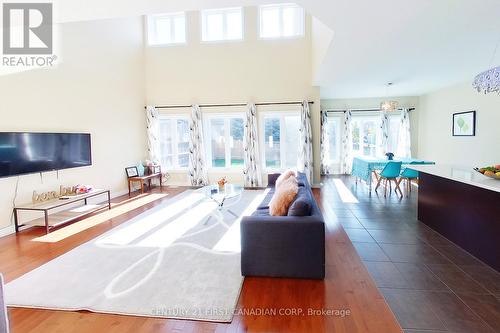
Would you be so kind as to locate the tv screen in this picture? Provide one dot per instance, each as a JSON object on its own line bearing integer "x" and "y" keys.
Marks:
{"x": 23, "y": 153}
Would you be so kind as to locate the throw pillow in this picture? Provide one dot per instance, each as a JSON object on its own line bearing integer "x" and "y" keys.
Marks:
{"x": 284, "y": 176}
{"x": 283, "y": 197}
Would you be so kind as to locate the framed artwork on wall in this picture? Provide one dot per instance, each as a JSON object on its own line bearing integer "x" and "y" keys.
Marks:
{"x": 464, "y": 123}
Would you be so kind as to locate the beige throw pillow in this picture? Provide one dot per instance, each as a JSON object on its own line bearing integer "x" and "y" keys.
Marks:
{"x": 283, "y": 197}
{"x": 284, "y": 176}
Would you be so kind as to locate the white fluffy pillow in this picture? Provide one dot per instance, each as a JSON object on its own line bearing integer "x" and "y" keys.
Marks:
{"x": 283, "y": 197}
{"x": 284, "y": 176}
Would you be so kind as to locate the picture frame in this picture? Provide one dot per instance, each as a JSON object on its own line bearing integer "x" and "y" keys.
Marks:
{"x": 464, "y": 123}
{"x": 132, "y": 172}
{"x": 156, "y": 169}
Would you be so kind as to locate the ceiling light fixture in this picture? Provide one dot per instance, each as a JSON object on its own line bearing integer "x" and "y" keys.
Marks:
{"x": 488, "y": 81}
{"x": 388, "y": 106}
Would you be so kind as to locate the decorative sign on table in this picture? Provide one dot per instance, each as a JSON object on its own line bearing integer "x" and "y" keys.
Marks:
{"x": 464, "y": 123}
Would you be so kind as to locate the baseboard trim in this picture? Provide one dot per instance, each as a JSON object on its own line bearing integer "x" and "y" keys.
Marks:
{"x": 9, "y": 230}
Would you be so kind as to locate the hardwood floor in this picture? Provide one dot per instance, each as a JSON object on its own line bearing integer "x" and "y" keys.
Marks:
{"x": 347, "y": 287}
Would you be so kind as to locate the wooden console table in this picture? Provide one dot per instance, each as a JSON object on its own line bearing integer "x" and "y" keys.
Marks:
{"x": 63, "y": 216}
{"x": 143, "y": 179}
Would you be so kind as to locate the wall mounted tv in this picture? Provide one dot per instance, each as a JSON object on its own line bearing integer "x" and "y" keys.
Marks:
{"x": 23, "y": 153}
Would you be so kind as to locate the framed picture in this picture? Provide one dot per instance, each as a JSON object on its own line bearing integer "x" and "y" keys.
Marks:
{"x": 464, "y": 123}
{"x": 156, "y": 169}
{"x": 132, "y": 172}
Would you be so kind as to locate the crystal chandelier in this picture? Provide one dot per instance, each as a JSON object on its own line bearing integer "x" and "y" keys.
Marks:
{"x": 488, "y": 81}
{"x": 388, "y": 106}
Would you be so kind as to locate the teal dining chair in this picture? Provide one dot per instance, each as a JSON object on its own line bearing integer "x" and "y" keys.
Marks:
{"x": 408, "y": 175}
{"x": 390, "y": 174}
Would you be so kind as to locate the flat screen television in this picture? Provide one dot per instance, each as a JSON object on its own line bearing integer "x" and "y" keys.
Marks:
{"x": 24, "y": 153}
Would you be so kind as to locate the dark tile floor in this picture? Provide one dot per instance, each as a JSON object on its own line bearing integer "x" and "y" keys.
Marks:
{"x": 431, "y": 284}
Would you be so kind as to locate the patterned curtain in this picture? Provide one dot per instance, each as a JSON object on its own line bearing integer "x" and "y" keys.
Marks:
{"x": 197, "y": 169}
{"x": 384, "y": 133}
{"x": 346, "y": 163}
{"x": 252, "y": 172}
{"x": 153, "y": 130}
{"x": 325, "y": 144}
{"x": 404, "y": 140}
{"x": 305, "y": 161}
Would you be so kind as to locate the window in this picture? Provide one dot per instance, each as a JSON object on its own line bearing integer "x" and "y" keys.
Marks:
{"x": 394, "y": 123}
{"x": 281, "y": 20}
{"x": 333, "y": 129}
{"x": 166, "y": 29}
{"x": 222, "y": 24}
{"x": 174, "y": 142}
{"x": 364, "y": 135}
{"x": 281, "y": 140}
{"x": 225, "y": 140}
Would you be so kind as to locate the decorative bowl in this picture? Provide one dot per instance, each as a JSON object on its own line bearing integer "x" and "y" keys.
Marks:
{"x": 489, "y": 175}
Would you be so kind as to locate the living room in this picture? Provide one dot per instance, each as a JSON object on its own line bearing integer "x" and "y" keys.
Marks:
{"x": 140, "y": 155}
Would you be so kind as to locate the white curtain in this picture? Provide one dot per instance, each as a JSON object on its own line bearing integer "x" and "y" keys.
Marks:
{"x": 404, "y": 140}
{"x": 153, "y": 131}
{"x": 384, "y": 133}
{"x": 325, "y": 144}
{"x": 252, "y": 171}
{"x": 346, "y": 165}
{"x": 197, "y": 168}
{"x": 305, "y": 161}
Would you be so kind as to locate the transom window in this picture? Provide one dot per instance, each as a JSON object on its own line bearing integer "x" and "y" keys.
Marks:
{"x": 164, "y": 29}
{"x": 280, "y": 133}
{"x": 224, "y": 143}
{"x": 174, "y": 141}
{"x": 281, "y": 21}
{"x": 222, "y": 24}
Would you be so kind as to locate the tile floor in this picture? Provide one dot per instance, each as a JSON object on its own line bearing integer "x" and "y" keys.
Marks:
{"x": 431, "y": 284}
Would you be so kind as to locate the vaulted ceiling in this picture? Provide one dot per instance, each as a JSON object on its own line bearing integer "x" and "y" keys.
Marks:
{"x": 419, "y": 45}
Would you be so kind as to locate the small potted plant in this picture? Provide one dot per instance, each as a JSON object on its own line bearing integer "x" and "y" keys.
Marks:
{"x": 390, "y": 156}
{"x": 222, "y": 182}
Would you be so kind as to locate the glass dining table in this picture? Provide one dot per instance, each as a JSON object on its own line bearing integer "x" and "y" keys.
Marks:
{"x": 363, "y": 168}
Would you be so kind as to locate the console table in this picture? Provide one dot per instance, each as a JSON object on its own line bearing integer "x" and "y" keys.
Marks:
{"x": 62, "y": 216}
{"x": 143, "y": 179}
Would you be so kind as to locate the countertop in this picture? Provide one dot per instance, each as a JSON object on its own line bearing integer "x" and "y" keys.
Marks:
{"x": 459, "y": 174}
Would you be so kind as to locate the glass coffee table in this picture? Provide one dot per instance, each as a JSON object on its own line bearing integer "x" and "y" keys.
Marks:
{"x": 224, "y": 198}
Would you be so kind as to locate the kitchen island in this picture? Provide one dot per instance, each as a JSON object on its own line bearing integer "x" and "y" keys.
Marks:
{"x": 463, "y": 206}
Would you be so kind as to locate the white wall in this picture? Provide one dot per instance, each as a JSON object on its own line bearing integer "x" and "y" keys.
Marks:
{"x": 251, "y": 70}
{"x": 97, "y": 88}
{"x": 435, "y": 120}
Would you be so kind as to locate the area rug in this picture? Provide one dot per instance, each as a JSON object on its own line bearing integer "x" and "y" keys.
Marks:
{"x": 178, "y": 260}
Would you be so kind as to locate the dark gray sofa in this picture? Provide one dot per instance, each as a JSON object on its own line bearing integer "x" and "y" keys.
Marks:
{"x": 285, "y": 246}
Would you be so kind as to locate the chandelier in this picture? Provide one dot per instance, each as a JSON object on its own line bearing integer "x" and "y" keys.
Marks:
{"x": 488, "y": 81}
{"x": 388, "y": 106}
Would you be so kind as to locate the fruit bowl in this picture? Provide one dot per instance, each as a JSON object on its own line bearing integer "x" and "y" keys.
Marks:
{"x": 491, "y": 171}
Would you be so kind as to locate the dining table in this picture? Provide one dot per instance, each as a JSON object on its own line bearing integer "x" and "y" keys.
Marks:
{"x": 363, "y": 168}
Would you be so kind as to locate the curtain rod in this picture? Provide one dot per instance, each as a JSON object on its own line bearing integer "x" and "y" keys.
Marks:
{"x": 363, "y": 110}
{"x": 224, "y": 105}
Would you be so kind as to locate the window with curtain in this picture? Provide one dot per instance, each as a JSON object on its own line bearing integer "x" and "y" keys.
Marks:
{"x": 334, "y": 141}
{"x": 280, "y": 139}
{"x": 364, "y": 135}
{"x": 174, "y": 141}
{"x": 222, "y": 24}
{"x": 164, "y": 29}
{"x": 281, "y": 21}
{"x": 224, "y": 135}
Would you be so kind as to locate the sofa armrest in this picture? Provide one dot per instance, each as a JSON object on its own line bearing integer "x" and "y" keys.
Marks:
{"x": 283, "y": 246}
{"x": 271, "y": 179}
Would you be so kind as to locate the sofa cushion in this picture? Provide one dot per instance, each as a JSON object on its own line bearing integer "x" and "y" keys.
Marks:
{"x": 283, "y": 197}
{"x": 267, "y": 199}
{"x": 302, "y": 204}
{"x": 261, "y": 212}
